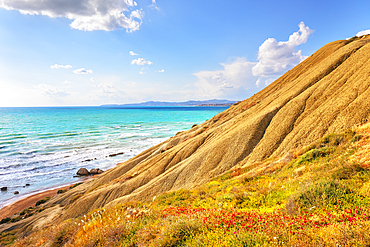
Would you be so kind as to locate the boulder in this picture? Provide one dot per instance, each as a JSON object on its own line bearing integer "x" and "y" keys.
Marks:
{"x": 83, "y": 172}
{"x": 4, "y": 188}
{"x": 96, "y": 171}
{"x": 16, "y": 192}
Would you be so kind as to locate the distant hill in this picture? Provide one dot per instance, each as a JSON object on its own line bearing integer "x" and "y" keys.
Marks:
{"x": 212, "y": 102}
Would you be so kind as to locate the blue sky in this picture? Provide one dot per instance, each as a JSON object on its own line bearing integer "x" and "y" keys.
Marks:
{"x": 77, "y": 52}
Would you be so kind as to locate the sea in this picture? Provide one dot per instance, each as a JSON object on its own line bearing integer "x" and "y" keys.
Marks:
{"x": 43, "y": 147}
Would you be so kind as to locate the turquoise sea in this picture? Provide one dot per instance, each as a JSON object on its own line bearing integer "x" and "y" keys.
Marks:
{"x": 45, "y": 146}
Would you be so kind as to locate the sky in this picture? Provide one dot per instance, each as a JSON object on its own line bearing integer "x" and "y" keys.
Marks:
{"x": 94, "y": 52}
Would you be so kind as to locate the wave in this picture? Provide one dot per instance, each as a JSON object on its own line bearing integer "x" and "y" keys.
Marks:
{"x": 50, "y": 135}
{"x": 13, "y": 135}
{"x": 7, "y": 142}
{"x": 131, "y": 135}
{"x": 38, "y": 174}
{"x": 10, "y": 166}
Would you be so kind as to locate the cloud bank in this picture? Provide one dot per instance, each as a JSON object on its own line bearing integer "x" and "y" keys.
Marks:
{"x": 87, "y": 15}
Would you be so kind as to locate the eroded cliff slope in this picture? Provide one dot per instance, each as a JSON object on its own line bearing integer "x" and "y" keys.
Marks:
{"x": 328, "y": 92}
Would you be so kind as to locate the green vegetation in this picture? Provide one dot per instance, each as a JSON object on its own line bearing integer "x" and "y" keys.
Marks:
{"x": 320, "y": 196}
{"x": 26, "y": 211}
{"x": 75, "y": 185}
{"x": 42, "y": 201}
{"x": 5, "y": 220}
{"x": 7, "y": 238}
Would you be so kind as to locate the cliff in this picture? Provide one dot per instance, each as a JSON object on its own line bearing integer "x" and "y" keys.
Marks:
{"x": 328, "y": 92}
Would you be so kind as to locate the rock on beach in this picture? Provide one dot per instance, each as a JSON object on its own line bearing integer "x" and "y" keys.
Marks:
{"x": 83, "y": 172}
{"x": 96, "y": 171}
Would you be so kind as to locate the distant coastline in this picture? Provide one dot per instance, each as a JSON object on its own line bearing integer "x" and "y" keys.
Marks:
{"x": 230, "y": 104}
{"x": 213, "y": 102}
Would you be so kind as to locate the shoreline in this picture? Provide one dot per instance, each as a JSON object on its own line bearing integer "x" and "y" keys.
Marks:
{"x": 30, "y": 200}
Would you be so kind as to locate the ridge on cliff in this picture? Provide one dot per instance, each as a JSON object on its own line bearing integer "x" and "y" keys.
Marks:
{"x": 328, "y": 92}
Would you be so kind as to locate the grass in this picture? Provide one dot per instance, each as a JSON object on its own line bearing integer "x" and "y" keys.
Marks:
{"x": 318, "y": 198}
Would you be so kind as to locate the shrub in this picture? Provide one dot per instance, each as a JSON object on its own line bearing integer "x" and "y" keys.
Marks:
{"x": 5, "y": 220}
{"x": 75, "y": 185}
{"x": 356, "y": 138}
{"x": 327, "y": 194}
{"x": 347, "y": 171}
{"x": 315, "y": 153}
{"x": 178, "y": 231}
{"x": 27, "y": 212}
{"x": 18, "y": 218}
{"x": 42, "y": 201}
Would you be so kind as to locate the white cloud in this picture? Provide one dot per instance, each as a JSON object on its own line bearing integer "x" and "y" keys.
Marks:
{"x": 87, "y": 15}
{"x": 364, "y": 32}
{"x": 51, "y": 91}
{"x": 133, "y": 53}
{"x": 66, "y": 82}
{"x": 240, "y": 78}
{"x": 141, "y": 61}
{"x": 232, "y": 79}
{"x": 154, "y": 5}
{"x": 160, "y": 71}
{"x": 92, "y": 79}
{"x": 83, "y": 71}
{"x": 57, "y": 66}
{"x": 277, "y": 57}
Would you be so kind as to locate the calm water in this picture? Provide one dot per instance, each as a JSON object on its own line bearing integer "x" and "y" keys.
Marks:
{"x": 44, "y": 147}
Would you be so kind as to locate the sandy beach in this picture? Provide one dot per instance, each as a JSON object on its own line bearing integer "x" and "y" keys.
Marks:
{"x": 30, "y": 201}
{"x": 27, "y": 202}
